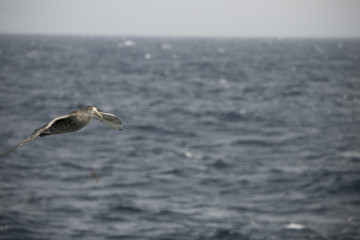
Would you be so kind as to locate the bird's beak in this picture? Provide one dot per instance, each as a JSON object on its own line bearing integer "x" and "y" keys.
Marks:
{"x": 98, "y": 114}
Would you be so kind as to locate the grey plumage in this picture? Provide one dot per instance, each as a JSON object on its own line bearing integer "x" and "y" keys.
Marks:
{"x": 72, "y": 122}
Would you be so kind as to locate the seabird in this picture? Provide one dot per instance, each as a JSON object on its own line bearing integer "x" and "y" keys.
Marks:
{"x": 94, "y": 174}
{"x": 72, "y": 122}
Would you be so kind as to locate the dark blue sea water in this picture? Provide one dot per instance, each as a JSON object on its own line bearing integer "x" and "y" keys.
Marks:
{"x": 223, "y": 139}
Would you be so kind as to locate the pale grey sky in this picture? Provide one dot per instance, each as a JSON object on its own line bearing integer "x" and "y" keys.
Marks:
{"x": 235, "y": 18}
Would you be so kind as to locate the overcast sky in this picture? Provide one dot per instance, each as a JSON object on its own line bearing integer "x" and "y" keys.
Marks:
{"x": 235, "y": 18}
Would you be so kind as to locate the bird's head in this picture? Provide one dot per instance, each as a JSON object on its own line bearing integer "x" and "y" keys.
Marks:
{"x": 93, "y": 112}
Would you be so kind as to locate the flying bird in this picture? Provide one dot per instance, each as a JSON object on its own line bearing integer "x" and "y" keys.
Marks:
{"x": 72, "y": 122}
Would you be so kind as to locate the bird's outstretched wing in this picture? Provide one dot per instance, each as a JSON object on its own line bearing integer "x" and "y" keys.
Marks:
{"x": 36, "y": 133}
{"x": 111, "y": 120}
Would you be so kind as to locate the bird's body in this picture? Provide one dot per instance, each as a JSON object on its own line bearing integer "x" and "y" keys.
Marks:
{"x": 72, "y": 122}
{"x": 75, "y": 121}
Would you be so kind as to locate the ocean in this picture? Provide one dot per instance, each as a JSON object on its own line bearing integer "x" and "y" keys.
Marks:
{"x": 223, "y": 138}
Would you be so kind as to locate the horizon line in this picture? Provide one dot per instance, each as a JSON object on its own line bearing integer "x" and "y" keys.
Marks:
{"x": 123, "y": 35}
